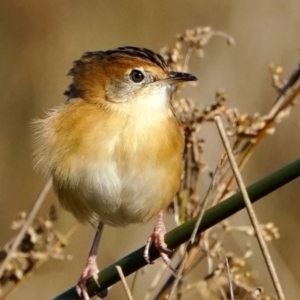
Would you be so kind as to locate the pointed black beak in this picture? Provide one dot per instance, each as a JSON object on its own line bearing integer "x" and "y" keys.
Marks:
{"x": 176, "y": 77}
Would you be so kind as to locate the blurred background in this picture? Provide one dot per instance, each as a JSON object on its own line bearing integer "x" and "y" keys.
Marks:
{"x": 39, "y": 40}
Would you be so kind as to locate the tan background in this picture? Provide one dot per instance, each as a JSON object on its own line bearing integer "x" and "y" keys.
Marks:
{"x": 40, "y": 39}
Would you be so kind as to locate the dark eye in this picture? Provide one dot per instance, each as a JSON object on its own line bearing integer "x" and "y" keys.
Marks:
{"x": 136, "y": 76}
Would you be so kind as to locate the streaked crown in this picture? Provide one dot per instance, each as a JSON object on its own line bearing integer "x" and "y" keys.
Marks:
{"x": 120, "y": 75}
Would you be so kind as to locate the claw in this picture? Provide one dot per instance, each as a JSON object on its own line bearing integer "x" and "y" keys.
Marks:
{"x": 146, "y": 251}
{"x": 157, "y": 238}
{"x": 90, "y": 270}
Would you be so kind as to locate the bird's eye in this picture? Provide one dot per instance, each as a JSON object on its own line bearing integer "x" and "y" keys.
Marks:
{"x": 136, "y": 76}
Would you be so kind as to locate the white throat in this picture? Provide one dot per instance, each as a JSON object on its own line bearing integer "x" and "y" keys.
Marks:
{"x": 154, "y": 105}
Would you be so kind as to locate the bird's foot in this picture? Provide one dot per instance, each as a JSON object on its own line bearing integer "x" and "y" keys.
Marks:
{"x": 90, "y": 270}
{"x": 157, "y": 238}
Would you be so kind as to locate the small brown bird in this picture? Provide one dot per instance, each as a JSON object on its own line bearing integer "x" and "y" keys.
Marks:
{"x": 114, "y": 149}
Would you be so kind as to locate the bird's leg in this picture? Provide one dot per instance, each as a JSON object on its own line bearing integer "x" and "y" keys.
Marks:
{"x": 158, "y": 239}
{"x": 91, "y": 268}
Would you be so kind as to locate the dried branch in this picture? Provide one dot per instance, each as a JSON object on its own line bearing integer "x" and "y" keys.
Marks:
{"x": 250, "y": 210}
{"x": 39, "y": 201}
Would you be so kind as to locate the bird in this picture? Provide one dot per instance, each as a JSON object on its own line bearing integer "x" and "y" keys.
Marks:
{"x": 114, "y": 148}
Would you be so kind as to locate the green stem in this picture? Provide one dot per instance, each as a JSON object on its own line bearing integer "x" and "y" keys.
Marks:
{"x": 134, "y": 261}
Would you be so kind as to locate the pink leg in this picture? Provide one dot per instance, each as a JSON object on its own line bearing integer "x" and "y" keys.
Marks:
{"x": 91, "y": 268}
{"x": 157, "y": 238}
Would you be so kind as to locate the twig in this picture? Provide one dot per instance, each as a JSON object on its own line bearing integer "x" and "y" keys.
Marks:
{"x": 229, "y": 278}
{"x": 52, "y": 250}
{"x": 250, "y": 209}
{"x": 40, "y": 199}
{"x": 202, "y": 210}
{"x": 125, "y": 285}
{"x": 270, "y": 118}
{"x": 294, "y": 77}
{"x": 220, "y": 289}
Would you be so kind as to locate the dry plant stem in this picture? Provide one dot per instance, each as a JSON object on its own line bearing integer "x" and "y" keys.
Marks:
{"x": 229, "y": 278}
{"x": 125, "y": 285}
{"x": 276, "y": 108}
{"x": 40, "y": 199}
{"x": 221, "y": 290}
{"x": 282, "y": 103}
{"x": 52, "y": 250}
{"x": 202, "y": 210}
{"x": 250, "y": 209}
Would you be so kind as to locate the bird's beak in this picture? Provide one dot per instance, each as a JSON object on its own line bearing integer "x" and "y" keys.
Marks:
{"x": 176, "y": 77}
